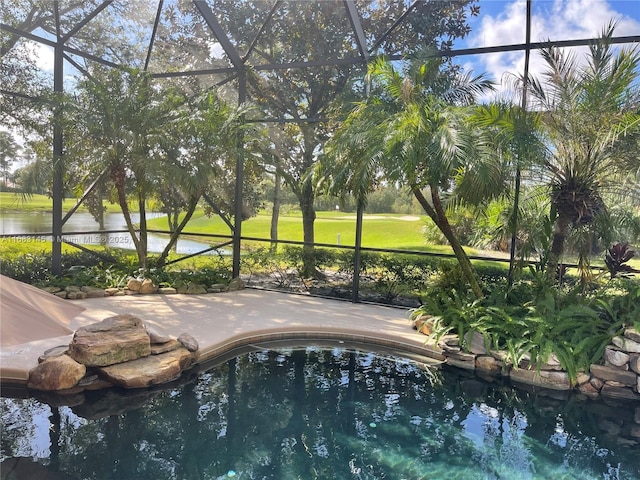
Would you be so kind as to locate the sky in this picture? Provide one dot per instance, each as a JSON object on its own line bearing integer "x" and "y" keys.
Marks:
{"x": 503, "y": 22}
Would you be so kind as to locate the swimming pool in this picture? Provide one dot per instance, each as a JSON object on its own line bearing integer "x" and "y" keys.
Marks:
{"x": 318, "y": 413}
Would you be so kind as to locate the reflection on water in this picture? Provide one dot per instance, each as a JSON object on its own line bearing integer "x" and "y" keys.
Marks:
{"x": 37, "y": 222}
{"x": 321, "y": 414}
{"x": 40, "y": 222}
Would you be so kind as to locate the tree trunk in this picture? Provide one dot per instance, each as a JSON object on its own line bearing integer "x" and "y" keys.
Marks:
{"x": 142, "y": 254}
{"x": 308, "y": 218}
{"x": 557, "y": 247}
{"x": 118, "y": 176}
{"x": 306, "y": 198}
{"x": 100, "y": 193}
{"x": 439, "y": 217}
{"x": 175, "y": 232}
{"x": 172, "y": 223}
{"x": 275, "y": 212}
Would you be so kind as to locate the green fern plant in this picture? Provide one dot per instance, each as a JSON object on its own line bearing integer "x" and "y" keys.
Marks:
{"x": 449, "y": 314}
{"x": 558, "y": 321}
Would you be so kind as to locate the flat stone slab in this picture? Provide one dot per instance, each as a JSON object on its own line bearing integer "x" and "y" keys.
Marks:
{"x": 192, "y": 289}
{"x": 93, "y": 292}
{"x": 626, "y": 344}
{"x": 464, "y": 364}
{"x": 114, "y": 340}
{"x": 545, "y": 378}
{"x": 614, "y": 374}
{"x": 157, "y": 336}
{"x": 632, "y": 334}
{"x": 634, "y": 362}
{"x": 148, "y": 371}
{"x": 167, "y": 290}
{"x": 160, "y": 348}
{"x": 475, "y": 343}
{"x": 189, "y": 342}
{"x": 486, "y": 363}
{"x": 616, "y": 357}
{"x": 53, "y": 352}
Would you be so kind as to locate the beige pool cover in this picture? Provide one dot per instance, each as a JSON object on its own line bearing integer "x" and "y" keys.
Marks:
{"x": 28, "y": 313}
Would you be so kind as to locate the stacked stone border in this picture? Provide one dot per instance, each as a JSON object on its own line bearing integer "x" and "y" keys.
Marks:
{"x": 137, "y": 286}
{"x": 617, "y": 378}
{"x": 119, "y": 351}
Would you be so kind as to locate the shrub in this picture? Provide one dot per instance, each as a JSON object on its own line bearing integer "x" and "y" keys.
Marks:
{"x": 448, "y": 278}
{"x": 111, "y": 269}
{"x": 369, "y": 262}
{"x": 205, "y": 276}
{"x": 400, "y": 274}
{"x": 323, "y": 258}
{"x": 622, "y": 296}
{"x": 268, "y": 262}
{"x": 29, "y": 268}
{"x": 536, "y": 320}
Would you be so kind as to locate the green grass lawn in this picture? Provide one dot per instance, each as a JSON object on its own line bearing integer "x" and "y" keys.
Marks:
{"x": 381, "y": 231}
{"x": 387, "y": 231}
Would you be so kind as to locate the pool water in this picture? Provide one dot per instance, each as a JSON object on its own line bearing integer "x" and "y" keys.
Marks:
{"x": 318, "y": 413}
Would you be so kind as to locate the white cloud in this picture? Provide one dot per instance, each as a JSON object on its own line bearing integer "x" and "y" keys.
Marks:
{"x": 215, "y": 50}
{"x": 43, "y": 56}
{"x": 503, "y": 29}
{"x": 551, "y": 20}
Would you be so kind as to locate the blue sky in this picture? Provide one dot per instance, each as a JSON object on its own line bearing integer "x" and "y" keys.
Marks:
{"x": 502, "y": 22}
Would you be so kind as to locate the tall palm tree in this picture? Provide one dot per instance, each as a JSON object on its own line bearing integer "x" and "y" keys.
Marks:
{"x": 591, "y": 117}
{"x": 120, "y": 115}
{"x": 517, "y": 135}
{"x": 415, "y": 130}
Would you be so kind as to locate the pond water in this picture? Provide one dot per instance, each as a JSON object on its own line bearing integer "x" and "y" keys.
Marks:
{"x": 39, "y": 222}
{"x": 318, "y": 413}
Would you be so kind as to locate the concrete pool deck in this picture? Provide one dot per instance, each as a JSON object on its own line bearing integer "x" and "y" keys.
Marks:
{"x": 222, "y": 322}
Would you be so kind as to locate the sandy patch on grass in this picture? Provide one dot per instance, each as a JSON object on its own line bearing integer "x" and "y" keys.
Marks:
{"x": 406, "y": 218}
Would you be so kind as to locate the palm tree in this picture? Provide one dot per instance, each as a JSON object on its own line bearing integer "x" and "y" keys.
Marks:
{"x": 121, "y": 116}
{"x": 591, "y": 117}
{"x": 156, "y": 143}
{"x": 517, "y": 135}
{"x": 415, "y": 130}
